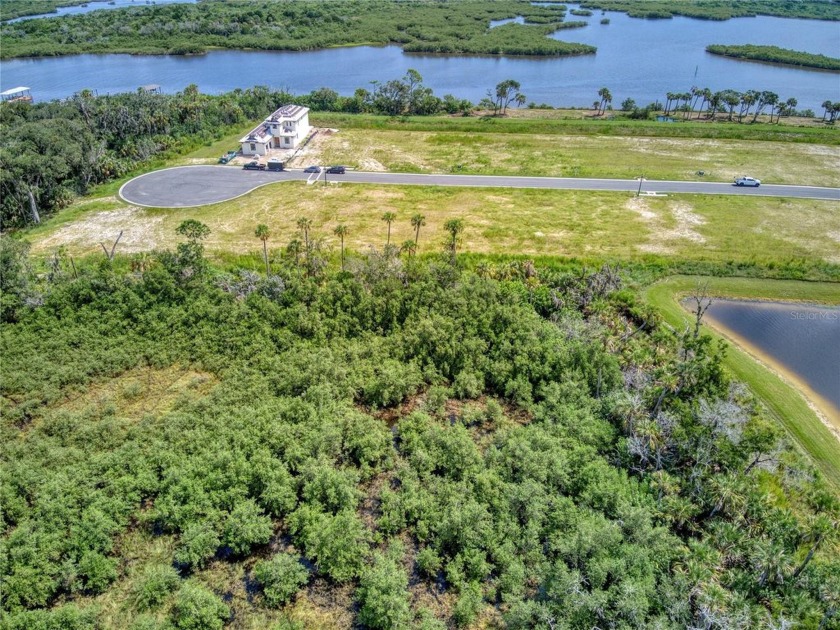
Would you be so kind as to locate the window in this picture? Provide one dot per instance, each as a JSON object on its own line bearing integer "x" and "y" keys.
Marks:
{"x": 288, "y": 140}
{"x": 253, "y": 147}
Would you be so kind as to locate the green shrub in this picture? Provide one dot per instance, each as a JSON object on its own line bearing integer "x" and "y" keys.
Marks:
{"x": 68, "y": 617}
{"x": 383, "y": 595}
{"x": 156, "y": 583}
{"x": 97, "y": 572}
{"x": 338, "y": 544}
{"x": 428, "y": 562}
{"x": 197, "y": 608}
{"x": 247, "y": 526}
{"x": 468, "y": 606}
{"x": 199, "y": 543}
{"x": 281, "y": 577}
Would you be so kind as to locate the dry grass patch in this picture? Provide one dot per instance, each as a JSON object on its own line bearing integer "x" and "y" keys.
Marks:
{"x": 142, "y": 391}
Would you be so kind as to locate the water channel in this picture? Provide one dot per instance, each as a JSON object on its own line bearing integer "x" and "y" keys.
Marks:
{"x": 803, "y": 338}
{"x": 639, "y": 59}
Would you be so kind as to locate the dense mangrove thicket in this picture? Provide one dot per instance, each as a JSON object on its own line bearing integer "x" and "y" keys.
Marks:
{"x": 453, "y": 27}
{"x": 775, "y": 54}
{"x": 720, "y": 9}
{"x": 430, "y": 447}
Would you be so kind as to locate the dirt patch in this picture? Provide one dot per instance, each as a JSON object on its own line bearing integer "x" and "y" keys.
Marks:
{"x": 684, "y": 228}
{"x": 640, "y": 206}
{"x": 686, "y": 222}
{"x": 369, "y": 164}
{"x": 141, "y": 232}
{"x": 312, "y": 153}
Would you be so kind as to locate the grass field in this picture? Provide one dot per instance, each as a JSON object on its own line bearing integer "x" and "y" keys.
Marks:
{"x": 499, "y": 221}
{"x": 578, "y": 156}
{"x": 781, "y": 398}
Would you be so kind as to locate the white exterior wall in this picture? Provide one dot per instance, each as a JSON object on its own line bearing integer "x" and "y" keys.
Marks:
{"x": 259, "y": 148}
{"x": 303, "y": 128}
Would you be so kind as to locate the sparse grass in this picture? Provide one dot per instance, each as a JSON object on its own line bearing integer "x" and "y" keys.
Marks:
{"x": 783, "y": 401}
{"x": 498, "y": 221}
{"x": 539, "y": 154}
{"x": 524, "y": 121}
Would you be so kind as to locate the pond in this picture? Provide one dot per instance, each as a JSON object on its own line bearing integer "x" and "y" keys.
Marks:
{"x": 803, "y": 338}
{"x": 639, "y": 59}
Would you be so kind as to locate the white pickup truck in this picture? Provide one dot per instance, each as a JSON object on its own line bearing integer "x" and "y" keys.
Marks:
{"x": 748, "y": 181}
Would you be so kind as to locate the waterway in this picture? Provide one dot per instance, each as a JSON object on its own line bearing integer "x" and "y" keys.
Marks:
{"x": 79, "y": 9}
{"x": 803, "y": 339}
{"x": 639, "y": 59}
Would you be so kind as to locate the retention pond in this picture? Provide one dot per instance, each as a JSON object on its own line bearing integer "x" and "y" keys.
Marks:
{"x": 802, "y": 340}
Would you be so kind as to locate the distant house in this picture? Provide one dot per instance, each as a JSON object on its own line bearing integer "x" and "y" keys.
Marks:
{"x": 284, "y": 129}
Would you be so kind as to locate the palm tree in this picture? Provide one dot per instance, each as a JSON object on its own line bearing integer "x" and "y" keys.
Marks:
{"x": 409, "y": 246}
{"x": 606, "y": 97}
{"x": 764, "y": 99}
{"x": 731, "y": 98}
{"x": 670, "y": 96}
{"x": 389, "y": 217}
{"x": 706, "y": 93}
{"x": 748, "y": 99}
{"x": 729, "y": 492}
{"x": 454, "y": 227}
{"x": 304, "y": 225}
{"x": 789, "y": 108}
{"x": 770, "y": 559}
{"x": 826, "y": 105}
{"x": 262, "y": 233}
{"x": 820, "y": 527}
{"x": 417, "y": 221}
{"x": 294, "y": 248}
{"x": 341, "y": 231}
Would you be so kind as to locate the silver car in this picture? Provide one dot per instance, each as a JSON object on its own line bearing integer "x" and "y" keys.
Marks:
{"x": 748, "y": 181}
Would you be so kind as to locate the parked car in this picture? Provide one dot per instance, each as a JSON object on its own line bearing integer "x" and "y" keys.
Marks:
{"x": 748, "y": 181}
{"x": 336, "y": 170}
{"x": 312, "y": 169}
{"x": 254, "y": 166}
{"x": 227, "y": 157}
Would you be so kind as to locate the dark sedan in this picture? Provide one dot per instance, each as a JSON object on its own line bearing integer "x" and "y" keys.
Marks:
{"x": 312, "y": 169}
{"x": 336, "y": 170}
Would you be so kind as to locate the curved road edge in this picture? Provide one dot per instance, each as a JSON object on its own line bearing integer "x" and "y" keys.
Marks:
{"x": 201, "y": 185}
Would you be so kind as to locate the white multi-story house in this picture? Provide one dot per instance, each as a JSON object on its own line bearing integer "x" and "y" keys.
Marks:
{"x": 284, "y": 129}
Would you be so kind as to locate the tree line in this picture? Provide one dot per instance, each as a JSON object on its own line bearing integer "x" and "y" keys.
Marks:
{"x": 775, "y": 54}
{"x": 743, "y": 106}
{"x": 521, "y": 442}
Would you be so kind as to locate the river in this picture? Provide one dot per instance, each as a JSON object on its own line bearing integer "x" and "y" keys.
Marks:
{"x": 804, "y": 339}
{"x": 639, "y": 59}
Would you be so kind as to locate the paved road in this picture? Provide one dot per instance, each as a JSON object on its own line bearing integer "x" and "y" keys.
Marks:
{"x": 190, "y": 186}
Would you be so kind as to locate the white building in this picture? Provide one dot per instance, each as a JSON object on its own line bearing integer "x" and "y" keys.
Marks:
{"x": 284, "y": 129}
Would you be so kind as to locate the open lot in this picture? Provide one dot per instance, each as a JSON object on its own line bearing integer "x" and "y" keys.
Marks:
{"x": 502, "y": 221}
{"x": 577, "y": 156}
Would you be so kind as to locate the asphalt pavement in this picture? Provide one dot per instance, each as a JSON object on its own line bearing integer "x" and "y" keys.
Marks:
{"x": 190, "y": 186}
